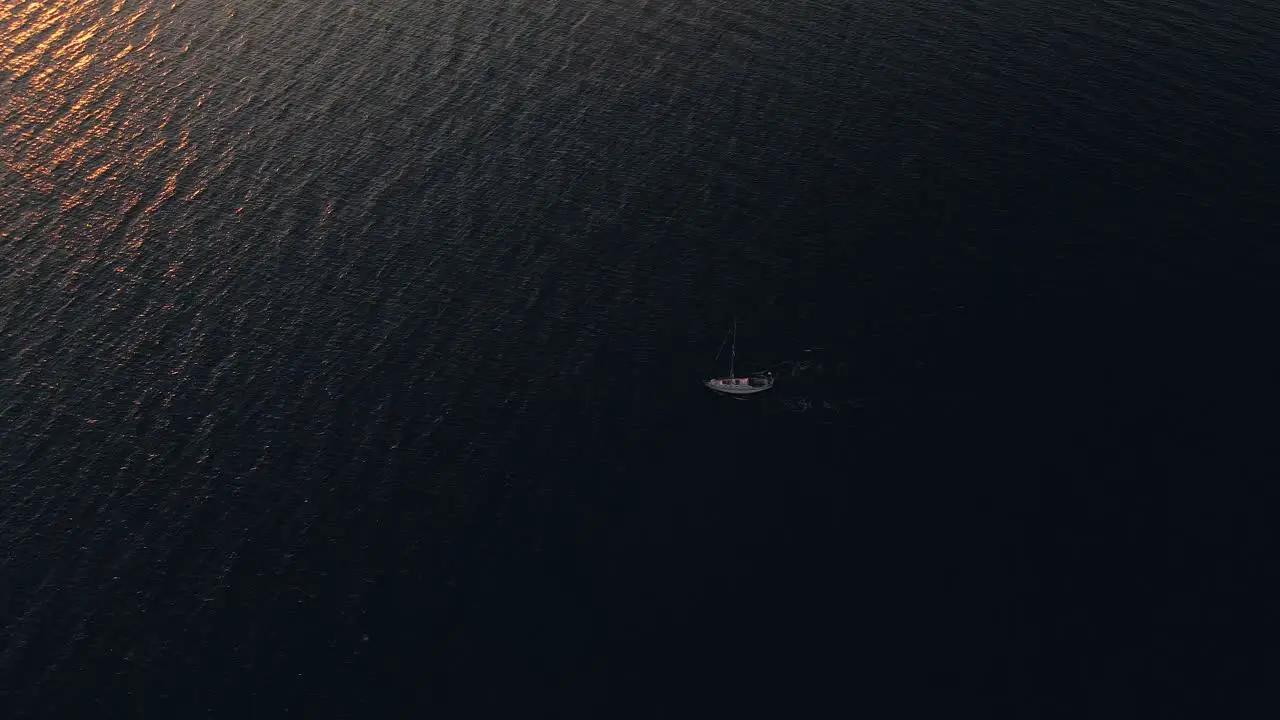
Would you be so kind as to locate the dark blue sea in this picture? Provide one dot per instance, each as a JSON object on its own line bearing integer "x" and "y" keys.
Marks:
{"x": 351, "y": 358}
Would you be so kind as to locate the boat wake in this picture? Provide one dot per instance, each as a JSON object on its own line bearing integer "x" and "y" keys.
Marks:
{"x": 817, "y": 386}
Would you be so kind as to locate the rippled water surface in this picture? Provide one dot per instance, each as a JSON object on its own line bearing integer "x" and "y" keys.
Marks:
{"x": 350, "y": 351}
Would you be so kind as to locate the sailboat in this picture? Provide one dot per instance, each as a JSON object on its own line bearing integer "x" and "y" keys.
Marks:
{"x": 734, "y": 385}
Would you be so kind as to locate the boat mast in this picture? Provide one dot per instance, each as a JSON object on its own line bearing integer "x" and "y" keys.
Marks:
{"x": 733, "y": 352}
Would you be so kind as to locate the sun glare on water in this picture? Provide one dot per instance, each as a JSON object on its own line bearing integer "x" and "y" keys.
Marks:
{"x": 77, "y": 128}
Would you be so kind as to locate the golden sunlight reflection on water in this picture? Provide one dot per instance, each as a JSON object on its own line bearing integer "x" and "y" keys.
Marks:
{"x": 80, "y": 128}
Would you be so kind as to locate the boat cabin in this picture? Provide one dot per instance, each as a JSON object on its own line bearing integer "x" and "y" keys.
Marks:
{"x": 742, "y": 382}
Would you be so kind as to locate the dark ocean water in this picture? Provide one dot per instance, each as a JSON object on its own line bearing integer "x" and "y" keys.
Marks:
{"x": 350, "y": 358}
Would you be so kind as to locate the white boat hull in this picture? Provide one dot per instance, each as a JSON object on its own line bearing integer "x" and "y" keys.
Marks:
{"x": 740, "y": 386}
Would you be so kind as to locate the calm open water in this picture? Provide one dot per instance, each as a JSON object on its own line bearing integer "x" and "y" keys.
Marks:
{"x": 349, "y": 357}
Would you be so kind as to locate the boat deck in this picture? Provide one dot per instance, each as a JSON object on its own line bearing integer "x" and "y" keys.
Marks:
{"x": 740, "y": 385}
